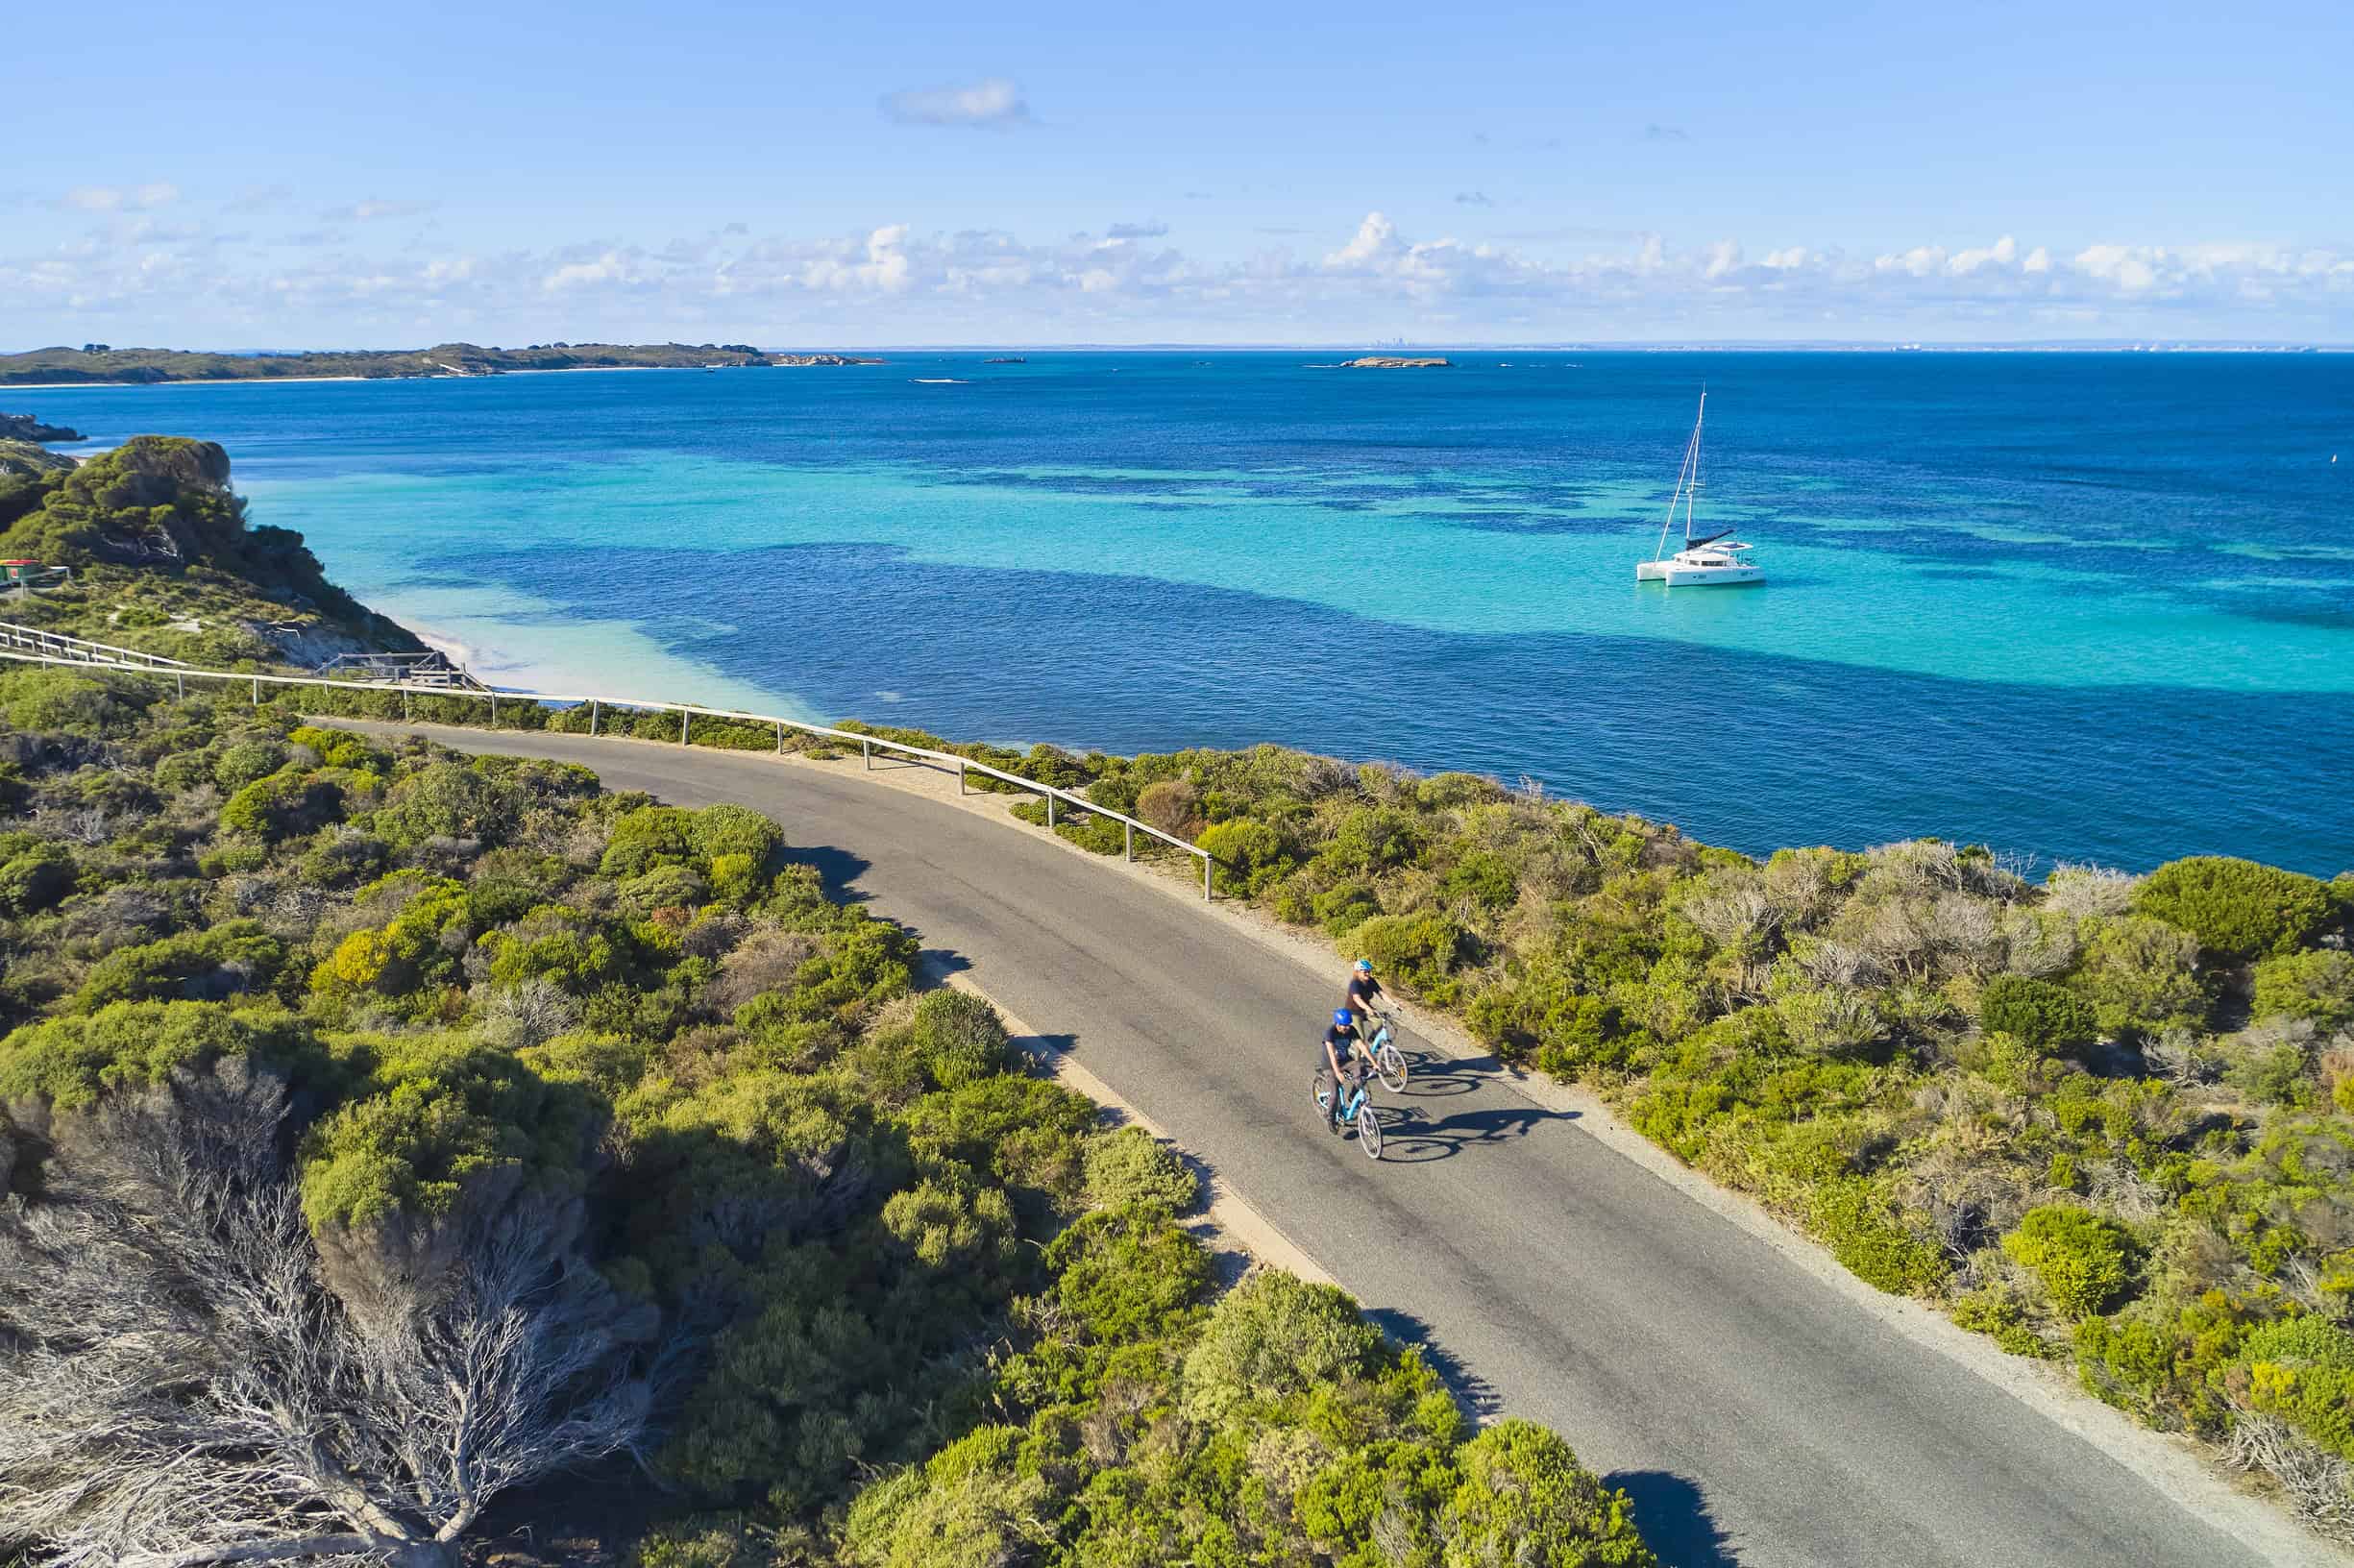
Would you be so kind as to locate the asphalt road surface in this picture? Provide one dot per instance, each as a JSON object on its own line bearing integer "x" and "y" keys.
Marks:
{"x": 1756, "y": 1416}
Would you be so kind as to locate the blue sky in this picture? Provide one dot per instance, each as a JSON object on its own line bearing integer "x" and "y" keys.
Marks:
{"x": 316, "y": 176}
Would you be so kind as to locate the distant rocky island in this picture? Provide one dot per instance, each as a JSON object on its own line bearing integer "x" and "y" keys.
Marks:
{"x": 97, "y": 362}
{"x": 1391, "y": 361}
{"x": 25, "y": 428}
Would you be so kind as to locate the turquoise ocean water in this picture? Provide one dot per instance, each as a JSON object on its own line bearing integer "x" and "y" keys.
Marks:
{"x": 2087, "y": 606}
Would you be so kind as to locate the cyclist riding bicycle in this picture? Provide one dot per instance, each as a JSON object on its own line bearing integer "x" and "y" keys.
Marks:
{"x": 1364, "y": 997}
{"x": 1339, "y": 1043}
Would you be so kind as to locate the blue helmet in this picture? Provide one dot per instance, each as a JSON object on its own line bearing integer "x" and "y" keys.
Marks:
{"x": 1364, "y": 965}
{"x": 1342, "y": 1017}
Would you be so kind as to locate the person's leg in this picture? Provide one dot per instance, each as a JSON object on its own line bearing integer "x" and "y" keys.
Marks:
{"x": 1329, "y": 1088}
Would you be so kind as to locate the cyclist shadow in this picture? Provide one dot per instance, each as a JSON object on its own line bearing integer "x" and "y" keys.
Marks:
{"x": 1412, "y": 1136}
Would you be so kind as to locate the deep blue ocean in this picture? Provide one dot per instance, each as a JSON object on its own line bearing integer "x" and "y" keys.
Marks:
{"x": 2085, "y": 606}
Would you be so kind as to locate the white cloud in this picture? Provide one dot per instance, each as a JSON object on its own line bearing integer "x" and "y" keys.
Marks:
{"x": 2129, "y": 267}
{"x": 607, "y": 268}
{"x": 118, "y": 198}
{"x": 992, "y": 101}
{"x": 1473, "y": 198}
{"x": 373, "y": 209}
{"x": 901, "y": 282}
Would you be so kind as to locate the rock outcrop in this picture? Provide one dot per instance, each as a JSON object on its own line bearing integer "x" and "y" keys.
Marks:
{"x": 25, "y": 428}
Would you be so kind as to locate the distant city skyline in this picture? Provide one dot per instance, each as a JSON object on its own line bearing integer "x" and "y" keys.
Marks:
{"x": 281, "y": 175}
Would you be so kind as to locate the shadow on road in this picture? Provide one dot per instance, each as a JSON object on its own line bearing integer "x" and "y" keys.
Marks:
{"x": 1477, "y": 1399}
{"x": 1432, "y": 1076}
{"x": 1675, "y": 1519}
{"x": 1411, "y": 1136}
{"x": 839, "y": 870}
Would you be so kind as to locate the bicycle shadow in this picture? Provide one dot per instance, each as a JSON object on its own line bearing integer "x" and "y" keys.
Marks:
{"x": 1432, "y": 1076}
{"x": 1411, "y": 1136}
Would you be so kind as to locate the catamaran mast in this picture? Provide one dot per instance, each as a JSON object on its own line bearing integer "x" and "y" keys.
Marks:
{"x": 1687, "y": 481}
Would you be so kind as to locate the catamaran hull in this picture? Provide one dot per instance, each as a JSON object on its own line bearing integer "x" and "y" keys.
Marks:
{"x": 1698, "y": 576}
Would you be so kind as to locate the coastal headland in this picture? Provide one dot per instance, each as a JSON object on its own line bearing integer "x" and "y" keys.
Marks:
{"x": 98, "y": 363}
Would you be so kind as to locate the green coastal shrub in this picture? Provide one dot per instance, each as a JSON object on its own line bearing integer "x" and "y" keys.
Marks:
{"x": 2036, "y": 1012}
{"x": 733, "y": 830}
{"x": 1128, "y": 1273}
{"x": 970, "y": 1505}
{"x": 2235, "y": 908}
{"x": 1249, "y": 855}
{"x": 36, "y": 879}
{"x": 960, "y": 1037}
{"x": 1853, "y": 1217}
{"x": 2142, "y": 976}
{"x": 70, "y": 1060}
{"x": 1341, "y": 910}
{"x": 1419, "y": 953}
{"x": 1273, "y": 1336}
{"x": 1483, "y": 878}
{"x": 1130, "y": 1165}
{"x": 2302, "y": 1369}
{"x": 2083, "y": 1260}
{"x": 446, "y": 1116}
{"x": 247, "y": 762}
{"x": 283, "y": 805}
{"x": 2316, "y": 986}
{"x": 218, "y": 962}
{"x": 1525, "y": 1499}
{"x": 447, "y": 800}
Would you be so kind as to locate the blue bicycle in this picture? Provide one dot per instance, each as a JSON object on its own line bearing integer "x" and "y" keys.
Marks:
{"x": 1385, "y": 1057}
{"x": 1356, "y": 1106}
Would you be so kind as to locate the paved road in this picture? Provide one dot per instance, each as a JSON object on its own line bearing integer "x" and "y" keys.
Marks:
{"x": 1756, "y": 1416}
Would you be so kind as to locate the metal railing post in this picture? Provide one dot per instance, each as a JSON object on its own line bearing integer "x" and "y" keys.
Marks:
{"x": 960, "y": 778}
{"x": 1128, "y": 850}
{"x": 256, "y": 691}
{"x": 405, "y": 704}
{"x": 682, "y": 727}
{"x": 1050, "y": 811}
{"x": 181, "y": 683}
{"x": 1206, "y": 895}
{"x": 780, "y": 737}
{"x": 866, "y": 752}
{"x": 592, "y": 715}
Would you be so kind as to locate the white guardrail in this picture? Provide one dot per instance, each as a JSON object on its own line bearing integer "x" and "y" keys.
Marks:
{"x": 66, "y": 649}
{"x": 868, "y": 745}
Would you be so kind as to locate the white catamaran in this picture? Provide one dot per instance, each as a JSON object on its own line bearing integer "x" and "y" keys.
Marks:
{"x": 1716, "y": 560}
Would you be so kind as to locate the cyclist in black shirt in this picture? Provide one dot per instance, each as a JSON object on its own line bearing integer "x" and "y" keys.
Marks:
{"x": 1333, "y": 1048}
{"x": 1364, "y": 994}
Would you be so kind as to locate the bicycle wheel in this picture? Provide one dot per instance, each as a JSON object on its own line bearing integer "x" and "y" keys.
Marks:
{"x": 1369, "y": 1131}
{"x": 1316, "y": 1091}
{"x": 1391, "y": 1063}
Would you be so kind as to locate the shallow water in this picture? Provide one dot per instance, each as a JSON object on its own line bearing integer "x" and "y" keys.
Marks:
{"x": 2085, "y": 606}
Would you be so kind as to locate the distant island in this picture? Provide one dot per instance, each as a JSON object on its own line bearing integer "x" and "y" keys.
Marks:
{"x": 1389, "y": 361}
{"x": 25, "y": 428}
{"x": 97, "y": 362}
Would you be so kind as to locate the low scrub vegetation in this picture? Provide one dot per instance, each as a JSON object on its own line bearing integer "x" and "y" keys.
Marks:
{"x": 387, "y": 1129}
